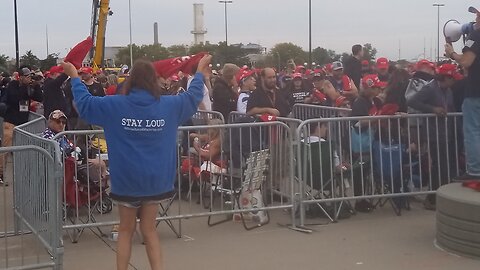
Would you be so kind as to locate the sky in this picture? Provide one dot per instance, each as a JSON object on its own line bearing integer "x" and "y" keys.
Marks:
{"x": 389, "y": 25}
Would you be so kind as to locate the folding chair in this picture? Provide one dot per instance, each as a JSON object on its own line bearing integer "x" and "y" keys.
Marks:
{"x": 320, "y": 178}
{"x": 387, "y": 167}
{"x": 165, "y": 205}
{"x": 247, "y": 196}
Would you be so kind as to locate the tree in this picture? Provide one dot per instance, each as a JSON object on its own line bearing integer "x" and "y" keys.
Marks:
{"x": 154, "y": 52}
{"x": 29, "y": 59}
{"x": 49, "y": 62}
{"x": 204, "y": 47}
{"x": 3, "y": 62}
{"x": 230, "y": 54}
{"x": 177, "y": 50}
{"x": 287, "y": 51}
{"x": 370, "y": 52}
{"x": 322, "y": 56}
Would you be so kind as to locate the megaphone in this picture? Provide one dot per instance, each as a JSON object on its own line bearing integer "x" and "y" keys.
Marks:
{"x": 454, "y": 30}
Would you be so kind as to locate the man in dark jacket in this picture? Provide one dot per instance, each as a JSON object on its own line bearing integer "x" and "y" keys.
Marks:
{"x": 18, "y": 95}
{"x": 53, "y": 95}
{"x": 353, "y": 65}
{"x": 436, "y": 97}
{"x": 225, "y": 91}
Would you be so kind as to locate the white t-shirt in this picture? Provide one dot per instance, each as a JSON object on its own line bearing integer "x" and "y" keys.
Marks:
{"x": 242, "y": 102}
{"x": 206, "y": 101}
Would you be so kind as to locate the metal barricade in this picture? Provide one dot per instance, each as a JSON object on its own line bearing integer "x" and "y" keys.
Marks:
{"x": 30, "y": 214}
{"x": 208, "y": 185}
{"x": 203, "y": 117}
{"x": 308, "y": 111}
{"x": 382, "y": 159}
{"x": 36, "y": 124}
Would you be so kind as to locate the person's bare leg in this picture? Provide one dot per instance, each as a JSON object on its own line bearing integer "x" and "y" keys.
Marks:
{"x": 128, "y": 219}
{"x": 148, "y": 213}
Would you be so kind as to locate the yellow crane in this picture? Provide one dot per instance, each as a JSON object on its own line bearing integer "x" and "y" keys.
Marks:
{"x": 100, "y": 12}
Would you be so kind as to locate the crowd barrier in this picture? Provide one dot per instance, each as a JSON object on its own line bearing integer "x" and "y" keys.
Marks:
{"x": 263, "y": 166}
{"x": 30, "y": 213}
{"x": 309, "y": 111}
{"x": 346, "y": 159}
{"x": 224, "y": 182}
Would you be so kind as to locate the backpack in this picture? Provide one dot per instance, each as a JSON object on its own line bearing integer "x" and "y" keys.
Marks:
{"x": 414, "y": 86}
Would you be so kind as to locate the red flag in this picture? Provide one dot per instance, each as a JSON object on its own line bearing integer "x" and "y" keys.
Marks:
{"x": 168, "y": 67}
{"x": 190, "y": 62}
{"x": 78, "y": 53}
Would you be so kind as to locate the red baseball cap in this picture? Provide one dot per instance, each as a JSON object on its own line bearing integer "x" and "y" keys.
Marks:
{"x": 88, "y": 70}
{"x": 297, "y": 75}
{"x": 372, "y": 81}
{"x": 329, "y": 67}
{"x": 382, "y": 63}
{"x": 448, "y": 70}
{"x": 56, "y": 69}
{"x": 299, "y": 68}
{"x": 424, "y": 63}
{"x": 242, "y": 74}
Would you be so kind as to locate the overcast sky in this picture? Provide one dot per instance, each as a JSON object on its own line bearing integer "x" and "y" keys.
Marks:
{"x": 337, "y": 24}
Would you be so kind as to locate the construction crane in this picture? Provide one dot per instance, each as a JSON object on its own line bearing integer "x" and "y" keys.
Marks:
{"x": 100, "y": 12}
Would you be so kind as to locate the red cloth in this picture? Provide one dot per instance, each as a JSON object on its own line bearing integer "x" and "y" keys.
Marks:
{"x": 475, "y": 185}
{"x": 111, "y": 90}
{"x": 321, "y": 97}
{"x": 168, "y": 67}
{"x": 388, "y": 109}
{"x": 347, "y": 83}
{"x": 78, "y": 53}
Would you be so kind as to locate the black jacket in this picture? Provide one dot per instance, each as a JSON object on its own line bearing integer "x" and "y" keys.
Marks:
{"x": 224, "y": 99}
{"x": 53, "y": 95}
{"x": 14, "y": 93}
{"x": 353, "y": 69}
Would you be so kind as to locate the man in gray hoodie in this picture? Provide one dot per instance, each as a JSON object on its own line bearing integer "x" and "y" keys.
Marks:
{"x": 436, "y": 97}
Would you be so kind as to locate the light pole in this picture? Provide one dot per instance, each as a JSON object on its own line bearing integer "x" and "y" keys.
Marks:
{"x": 17, "y": 50}
{"x": 438, "y": 6}
{"x": 130, "y": 25}
{"x": 310, "y": 32}
{"x": 226, "y": 19}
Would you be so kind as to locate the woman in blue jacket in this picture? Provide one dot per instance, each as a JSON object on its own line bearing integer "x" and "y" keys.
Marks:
{"x": 140, "y": 129}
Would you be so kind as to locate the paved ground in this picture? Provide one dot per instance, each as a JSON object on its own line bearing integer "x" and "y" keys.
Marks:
{"x": 379, "y": 240}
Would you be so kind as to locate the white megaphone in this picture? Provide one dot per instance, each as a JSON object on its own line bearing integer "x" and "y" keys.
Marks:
{"x": 453, "y": 30}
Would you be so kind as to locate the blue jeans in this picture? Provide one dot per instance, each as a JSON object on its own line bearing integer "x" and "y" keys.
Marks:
{"x": 471, "y": 130}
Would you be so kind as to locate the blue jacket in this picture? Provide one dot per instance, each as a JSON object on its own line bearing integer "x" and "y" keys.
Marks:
{"x": 141, "y": 135}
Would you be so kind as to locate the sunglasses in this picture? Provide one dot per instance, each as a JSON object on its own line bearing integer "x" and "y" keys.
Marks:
{"x": 61, "y": 121}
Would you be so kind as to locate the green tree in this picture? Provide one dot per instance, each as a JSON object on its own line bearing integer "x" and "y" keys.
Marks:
{"x": 370, "y": 52}
{"x": 204, "y": 47}
{"x": 287, "y": 51}
{"x": 322, "y": 56}
{"x": 177, "y": 50}
{"x": 154, "y": 52}
{"x": 49, "y": 62}
{"x": 3, "y": 62}
{"x": 123, "y": 55}
{"x": 230, "y": 54}
{"x": 29, "y": 59}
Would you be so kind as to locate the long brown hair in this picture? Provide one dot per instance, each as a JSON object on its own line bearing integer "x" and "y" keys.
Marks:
{"x": 143, "y": 76}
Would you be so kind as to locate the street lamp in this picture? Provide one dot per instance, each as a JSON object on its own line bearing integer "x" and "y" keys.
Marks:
{"x": 226, "y": 20}
{"x": 130, "y": 24}
{"x": 310, "y": 31}
{"x": 17, "y": 51}
{"x": 438, "y": 6}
